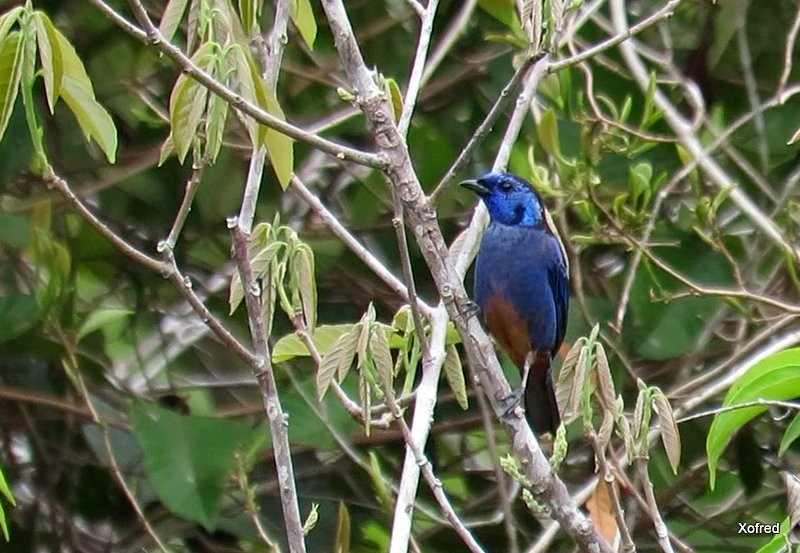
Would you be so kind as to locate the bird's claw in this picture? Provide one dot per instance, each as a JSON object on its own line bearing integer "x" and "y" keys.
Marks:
{"x": 471, "y": 309}
{"x": 512, "y": 401}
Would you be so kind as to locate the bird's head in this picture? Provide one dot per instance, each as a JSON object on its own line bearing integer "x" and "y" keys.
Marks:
{"x": 509, "y": 199}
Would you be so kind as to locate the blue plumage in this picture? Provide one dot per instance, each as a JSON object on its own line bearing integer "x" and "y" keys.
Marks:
{"x": 522, "y": 288}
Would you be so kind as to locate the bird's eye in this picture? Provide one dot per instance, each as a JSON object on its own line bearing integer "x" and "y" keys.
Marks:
{"x": 506, "y": 186}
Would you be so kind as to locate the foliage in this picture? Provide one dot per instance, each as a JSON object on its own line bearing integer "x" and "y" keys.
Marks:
{"x": 136, "y": 398}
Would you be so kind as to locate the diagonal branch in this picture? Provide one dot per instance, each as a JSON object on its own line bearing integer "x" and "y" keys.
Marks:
{"x": 547, "y": 487}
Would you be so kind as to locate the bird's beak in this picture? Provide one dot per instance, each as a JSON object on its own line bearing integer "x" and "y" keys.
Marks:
{"x": 476, "y": 186}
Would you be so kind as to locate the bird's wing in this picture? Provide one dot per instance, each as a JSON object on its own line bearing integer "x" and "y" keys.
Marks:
{"x": 559, "y": 286}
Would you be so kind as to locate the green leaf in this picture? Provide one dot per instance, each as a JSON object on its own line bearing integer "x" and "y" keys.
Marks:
{"x": 18, "y": 314}
{"x": 101, "y": 317}
{"x": 791, "y": 434}
{"x": 77, "y": 92}
{"x": 261, "y": 255}
{"x": 338, "y": 360}
{"x": 303, "y": 276}
{"x": 173, "y": 13}
{"x": 776, "y": 377}
{"x": 342, "y": 540}
{"x": 215, "y": 127}
{"x": 188, "y": 458}
{"x": 8, "y": 19}
{"x": 5, "y": 490}
{"x": 547, "y": 131}
{"x": 10, "y": 75}
{"x": 290, "y": 346}
{"x": 252, "y": 86}
{"x": 670, "y": 436}
{"x": 186, "y": 107}
{"x": 303, "y": 19}
{"x": 50, "y": 56}
{"x": 396, "y": 97}
{"x": 379, "y": 347}
{"x": 455, "y": 376}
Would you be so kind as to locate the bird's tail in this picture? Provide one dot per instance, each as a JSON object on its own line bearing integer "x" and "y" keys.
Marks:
{"x": 541, "y": 408}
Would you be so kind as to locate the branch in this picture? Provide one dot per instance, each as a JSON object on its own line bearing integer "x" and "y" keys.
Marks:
{"x": 399, "y": 170}
{"x": 154, "y": 37}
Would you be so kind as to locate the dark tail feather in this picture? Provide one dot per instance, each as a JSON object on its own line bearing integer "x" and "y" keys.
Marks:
{"x": 541, "y": 408}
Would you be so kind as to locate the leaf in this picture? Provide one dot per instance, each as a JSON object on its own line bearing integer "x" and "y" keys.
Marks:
{"x": 5, "y": 490}
{"x": 547, "y": 131}
{"x": 791, "y": 434}
{"x": 396, "y": 98}
{"x": 173, "y": 13}
{"x": 303, "y": 19}
{"x": 291, "y": 346}
{"x": 312, "y": 519}
{"x": 342, "y": 540}
{"x": 10, "y": 75}
{"x": 793, "y": 500}
{"x": 455, "y": 376}
{"x": 252, "y": 86}
{"x": 338, "y": 359}
{"x": 50, "y": 56}
{"x": 379, "y": 347}
{"x": 670, "y": 436}
{"x": 186, "y": 107}
{"x": 188, "y": 458}
{"x": 78, "y": 94}
{"x": 775, "y": 377}
{"x": 101, "y": 317}
{"x": 261, "y": 255}
{"x": 303, "y": 275}
{"x": 216, "y": 118}
{"x": 601, "y": 512}
{"x": 8, "y": 19}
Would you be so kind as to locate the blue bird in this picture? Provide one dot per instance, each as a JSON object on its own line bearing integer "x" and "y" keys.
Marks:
{"x": 522, "y": 288}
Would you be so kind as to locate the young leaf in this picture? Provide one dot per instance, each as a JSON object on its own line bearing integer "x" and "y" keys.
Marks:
{"x": 10, "y": 74}
{"x": 77, "y": 92}
{"x": 547, "y": 131}
{"x": 379, "y": 347}
{"x": 186, "y": 107}
{"x": 455, "y": 376}
{"x": 50, "y": 56}
{"x": 338, "y": 359}
{"x": 171, "y": 19}
{"x": 279, "y": 146}
{"x": 342, "y": 540}
{"x": 670, "y": 436}
{"x": 303, "y": 274}
{"x": 291, "y": 346}
{"x": 303, "y": 19}
{"x": 215, "y": 126}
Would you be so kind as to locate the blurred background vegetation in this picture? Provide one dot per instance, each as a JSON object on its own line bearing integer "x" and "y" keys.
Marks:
{"x": 689, "y": 290}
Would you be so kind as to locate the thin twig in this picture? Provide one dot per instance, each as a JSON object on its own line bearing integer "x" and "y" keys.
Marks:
{"x": 662, "y": 534}
{"x": 154, "y": 37}
{"x": 186, "y": 206}
{"x": 788, "y": 55}
{"x": 418, "y": 67}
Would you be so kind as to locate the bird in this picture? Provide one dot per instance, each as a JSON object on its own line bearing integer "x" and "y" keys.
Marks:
{"x": 521, "y": 289}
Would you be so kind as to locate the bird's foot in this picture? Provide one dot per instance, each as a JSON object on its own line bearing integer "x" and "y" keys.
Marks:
{"x": 512, "y": 401}
{"x": 471, "y": 309}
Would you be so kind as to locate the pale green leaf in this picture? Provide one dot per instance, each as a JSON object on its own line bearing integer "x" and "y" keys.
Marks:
{"x": 303, "y": 274}
{"x": 167, "y": 150}
{"x": 215, "y": 126}
{"x": 50, "y": 56}
{"x": 8, "y": 19}
{"x": 102, "y": 317}
{"x": 171, "y": 20}
{"x": 291, "y": 346}
{"x": 10, "y": 74}
{"x": 547, "y": 131}
{"x": 338, "y": 359}
{"x": 186, "y": 107}
{"x": 77, "y": 92}
{"x": 382, "y": 357}
{"x": 670, "y": 436}
{"x": 455, "y": 376}
{"x": 341, "y": 542}
{"x": 303, "y": 19}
